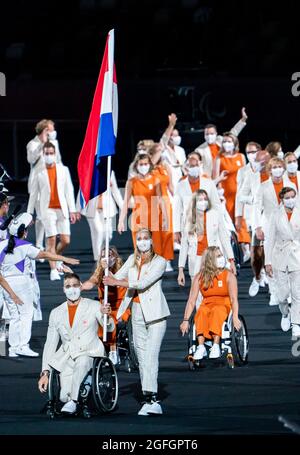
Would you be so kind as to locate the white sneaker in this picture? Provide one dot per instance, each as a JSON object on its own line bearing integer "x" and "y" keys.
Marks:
{"x": 254, "y": 287}
{"x": 286, "y": 322}
{"x": 59, "y": 265}
{"x": 12, "y": 352}
{"x": 246, "y": 256}
{"x": 263, "y": 279}
{"x": 154, "y": 408}
{"x": 70, "y": 407}
{"x": 26, "y": 351}
{"x": 144, "y": 410}
{"x": 176, "y": 246}
{"x": 215, "y": 351}
{"x": 200, "y": 352}
{"x": 273, "y": 300}
{"x": 295, "y": 331}
{"x": 113, "y": 356}
{"x": 54, "y": 275}
{"x": 169, "y": 267}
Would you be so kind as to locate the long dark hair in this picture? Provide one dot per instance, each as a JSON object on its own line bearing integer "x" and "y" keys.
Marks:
{"x": 11, "y": 242}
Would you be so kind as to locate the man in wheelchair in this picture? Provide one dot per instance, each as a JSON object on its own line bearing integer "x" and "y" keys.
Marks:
{"x": 75, "y": 324}
{"x": 218, "y": 287}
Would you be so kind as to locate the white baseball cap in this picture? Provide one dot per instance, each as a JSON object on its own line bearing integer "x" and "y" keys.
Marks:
{"x": 23, "y": 218}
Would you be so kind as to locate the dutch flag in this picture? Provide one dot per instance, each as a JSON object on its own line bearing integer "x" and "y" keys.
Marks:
{"x": 100, "y": 137}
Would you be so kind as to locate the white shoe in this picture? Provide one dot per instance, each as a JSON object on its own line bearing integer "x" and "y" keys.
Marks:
{"x": 246, "y": 256}
{"x": 113, "y": 356}
{"x": 254, "y": 287}
{"x": 273, "y": 300}
{"x": 262, "y": 281}
{"x": 176, "y": 246}
{"x": 286, "y": 322}
{"x": 70, "y": 407}
{"x": 26, "y": 351}
{"x": 154, "y": 408}
{"x": 54, "y": 275}
{"x": 200, "y": 352}
{"x": 12, "y": 352}
{"x": 295, "y": 330}
{"x": 169, "y": 267}
{"x": 215, "y": 351}
{"x": 144, "y": 410}
{"x": 59, "y": 265}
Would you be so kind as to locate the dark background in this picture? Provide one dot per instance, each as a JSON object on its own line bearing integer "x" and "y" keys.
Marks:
{"x": 203, "y": 60}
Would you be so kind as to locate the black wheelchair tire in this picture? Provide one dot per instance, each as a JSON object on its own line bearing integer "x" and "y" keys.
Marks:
{"x": 240, "y": 358}
{"x": 105, "y": 386}
{"x": 133, "y": 360}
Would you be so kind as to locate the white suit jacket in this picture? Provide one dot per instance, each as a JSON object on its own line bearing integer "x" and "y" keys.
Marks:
{"x": 265, "y": 202}
{"x": 249, "y": 184}
{"x": 148, "y": 286}
{"x": 217, "y": 235}
{"x": 115, "y": 200}
{"x": 80, "y": 339}
{"x": 183, "y": 196}
{"x": 205, "y": 152}
{"x": 282, "y": 250}
{"x": 298, "y": 177}
{"x": 41, "y": 189}
{"x": 35, "y": 157}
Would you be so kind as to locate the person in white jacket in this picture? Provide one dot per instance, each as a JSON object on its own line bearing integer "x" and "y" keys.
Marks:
{"x": 282, "y": 258}
{"x": 96, "y": 213}
{"x": 266, "y": 201}
{"x": 291, "y": 163}
{"x": 45, "y": 131}
{"x": 75, "y": 323}
{"x": 142, "y": 275}
{"x": 204, "y": 227}
{"x": 54, "y": 189}
{"x": 209, "y": 150}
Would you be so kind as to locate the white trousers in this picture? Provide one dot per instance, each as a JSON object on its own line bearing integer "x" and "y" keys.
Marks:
{"x": 20, "y": 315}
{"x": 72, "y": 376}
{"x": 147, "y": 339}
{"x": 39, "y": 227}
{"x": 98, "y": 231}
{"x": 288, "y": 283}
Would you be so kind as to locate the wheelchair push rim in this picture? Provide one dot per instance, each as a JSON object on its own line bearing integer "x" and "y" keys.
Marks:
{"x": 105, "y": 385}
{"x": 240, "y": 343}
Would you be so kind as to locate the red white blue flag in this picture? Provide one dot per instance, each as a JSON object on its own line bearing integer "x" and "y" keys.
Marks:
{"x": 101, "y": 132}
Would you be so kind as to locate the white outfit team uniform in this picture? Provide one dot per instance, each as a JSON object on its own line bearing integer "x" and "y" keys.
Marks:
{"x": 148, "y": 316}
{"x": 79, "y": 344}
{"x": 55, "y": 221}
{"x": 96, "y": 217}
{"x": 15, "y": 268}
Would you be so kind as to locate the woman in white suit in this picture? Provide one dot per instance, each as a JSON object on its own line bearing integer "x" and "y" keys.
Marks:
{"x": 96, "y": 213}
{"x": 282, "y": 258}
{"x": 204, "y": 227}
{"x": 142, "y": 276}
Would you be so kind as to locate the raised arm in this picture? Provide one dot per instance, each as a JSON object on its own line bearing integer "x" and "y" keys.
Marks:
{"x": 240, "y": 125}
{"x": 167, "y": 134}
{"x": 191, "y": 303}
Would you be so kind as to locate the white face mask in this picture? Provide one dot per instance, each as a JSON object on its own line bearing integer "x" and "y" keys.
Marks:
{"x": 251, "y": 157}
{"x": 176, "y": 140}
{"x": 257, "y": 166}
{"x": 72, "y": 293}
{"x": 277, "y": 171}
{"x": 289, "y": 203}
{"x": 210, "y": 138}
{"x": 194, "y": 172}
{"x": 221, "y": 262}
{"x": 292, "y": 167}
{"x": 52, "y": 135}
{"x": 143, "y": 169}
{"x": 50, "y": 159}
{"x": 202, "y": 205}
{"x": 228, "y": 146}
{"x": 144, "y": 245}
{"x": 280, "y": 154}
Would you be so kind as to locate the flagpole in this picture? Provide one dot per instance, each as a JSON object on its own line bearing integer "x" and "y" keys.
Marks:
{"x": 108, "y": 197}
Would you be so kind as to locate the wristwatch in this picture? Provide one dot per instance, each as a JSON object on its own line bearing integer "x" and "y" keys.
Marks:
{"x": 45, "y": 373}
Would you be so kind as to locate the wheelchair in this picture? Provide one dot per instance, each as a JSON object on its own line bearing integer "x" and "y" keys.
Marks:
{"x": 234, "y": 345}
{"x": 125, "y": 346}
{"x": 98, "y": 392}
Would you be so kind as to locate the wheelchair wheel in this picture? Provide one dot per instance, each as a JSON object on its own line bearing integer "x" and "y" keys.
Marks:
{"x": 240, "y": 343}
{"x": 54, "y": 391}
{"x": 133, "y": 360}
{"x": 104, "y": 385}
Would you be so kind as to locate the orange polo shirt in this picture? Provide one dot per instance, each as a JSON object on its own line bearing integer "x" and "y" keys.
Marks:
{"x": 289, "y": 214}
{"x": 294, "y": 180}
{"x": 202, "y": 242}
{"x": 54, "y": 199}
{"x": 278, "y": 187}
{"x": 264, "y": 176}
{"x": 195, "y": 186}
{"x": 214, "y": 150}
{"x": 72, "y": 310}
{"x": 136, "y": 298}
